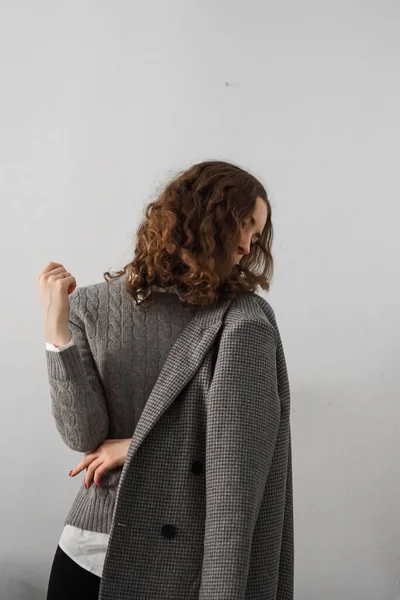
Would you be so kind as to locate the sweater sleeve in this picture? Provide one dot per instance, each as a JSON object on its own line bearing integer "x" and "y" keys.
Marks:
{"x": 79, "y": 405}
{"x": 243, "y": 415}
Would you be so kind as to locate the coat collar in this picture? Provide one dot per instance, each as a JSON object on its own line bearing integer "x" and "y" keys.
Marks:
{"x": 188, "y": 352}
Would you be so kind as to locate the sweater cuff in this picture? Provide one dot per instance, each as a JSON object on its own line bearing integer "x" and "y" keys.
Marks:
{"x": 65, "y": 365}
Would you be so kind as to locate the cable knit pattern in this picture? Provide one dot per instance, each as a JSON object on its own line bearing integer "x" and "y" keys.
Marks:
{"x": 139, "y": 366}
{"x": 112, "y": 366}
{"x": 99, "y": 385}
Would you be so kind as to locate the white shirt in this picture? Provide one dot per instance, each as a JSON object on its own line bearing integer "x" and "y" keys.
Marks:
{"x": 86, "y": 548}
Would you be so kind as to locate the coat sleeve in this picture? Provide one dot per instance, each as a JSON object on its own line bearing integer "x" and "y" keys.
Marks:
{"x": 243, "y": 414}
{"x": 79, "y": 405}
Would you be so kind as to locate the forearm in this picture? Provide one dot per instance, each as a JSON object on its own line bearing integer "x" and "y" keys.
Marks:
{"x": 78, "y": 403}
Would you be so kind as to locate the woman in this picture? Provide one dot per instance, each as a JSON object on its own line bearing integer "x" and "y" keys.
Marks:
{"x": 170, "y": 377}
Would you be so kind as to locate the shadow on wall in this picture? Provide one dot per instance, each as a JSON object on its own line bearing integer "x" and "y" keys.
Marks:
{"x": 21, "y": 586}
{"x": 22, "y": 590}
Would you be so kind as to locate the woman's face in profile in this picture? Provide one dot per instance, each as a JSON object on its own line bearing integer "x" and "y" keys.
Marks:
{"x": 251, "y": 230}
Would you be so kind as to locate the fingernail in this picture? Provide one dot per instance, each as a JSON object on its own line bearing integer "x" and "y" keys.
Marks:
{"x": 97, "y": 485}
{"x": 86, "y": 487}
{"x": 70, "y": 473}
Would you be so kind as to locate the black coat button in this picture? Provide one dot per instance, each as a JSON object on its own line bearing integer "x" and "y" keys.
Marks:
{"x": 168, "y": 531}
{"x": 197, "y": 467}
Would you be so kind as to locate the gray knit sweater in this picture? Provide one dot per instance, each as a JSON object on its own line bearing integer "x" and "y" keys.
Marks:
{"x": 127, "y": 345}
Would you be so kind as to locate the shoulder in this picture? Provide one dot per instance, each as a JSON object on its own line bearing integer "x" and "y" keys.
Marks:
{"x": 250, "y": 314}
{"x": 251, "y": 307}
{"x": 87, "y": 300}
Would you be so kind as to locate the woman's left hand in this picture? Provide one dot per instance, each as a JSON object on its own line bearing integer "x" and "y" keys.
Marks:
{"x": 108, "y": 456}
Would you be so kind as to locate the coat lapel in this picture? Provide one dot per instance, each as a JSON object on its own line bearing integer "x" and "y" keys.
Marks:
{"x": 182, "y": 362}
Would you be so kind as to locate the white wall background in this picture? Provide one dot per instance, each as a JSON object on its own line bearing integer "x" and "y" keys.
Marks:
{"x": 99, "y": 103}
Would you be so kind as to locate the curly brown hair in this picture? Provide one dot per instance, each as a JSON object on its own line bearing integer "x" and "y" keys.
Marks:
{"x": 190, "y": 232}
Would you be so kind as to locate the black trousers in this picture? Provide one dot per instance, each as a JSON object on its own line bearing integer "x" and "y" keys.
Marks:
{"x": 69, "y": 581}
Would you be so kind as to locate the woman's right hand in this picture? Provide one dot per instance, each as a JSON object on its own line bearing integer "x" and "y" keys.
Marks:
{"x": 54, "y": 284}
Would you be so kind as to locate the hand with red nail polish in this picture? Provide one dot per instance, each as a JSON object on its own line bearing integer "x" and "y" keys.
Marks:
{"x": 108, "y": 456}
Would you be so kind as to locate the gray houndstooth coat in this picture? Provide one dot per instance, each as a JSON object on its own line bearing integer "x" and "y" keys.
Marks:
{"x": 204, "y": 505}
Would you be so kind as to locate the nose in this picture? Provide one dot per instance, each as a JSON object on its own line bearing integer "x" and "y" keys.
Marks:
{"x": 244, "y": 248}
